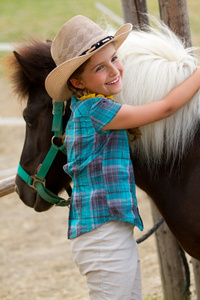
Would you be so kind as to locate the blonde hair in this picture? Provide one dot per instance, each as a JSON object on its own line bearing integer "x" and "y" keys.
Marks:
{"x": 75, "y": 91}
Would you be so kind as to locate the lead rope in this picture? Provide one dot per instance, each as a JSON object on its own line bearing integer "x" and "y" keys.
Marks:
{"x": 182, "y": 253}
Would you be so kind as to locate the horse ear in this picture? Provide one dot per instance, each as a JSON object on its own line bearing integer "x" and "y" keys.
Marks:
{"x": 34, "y": 73}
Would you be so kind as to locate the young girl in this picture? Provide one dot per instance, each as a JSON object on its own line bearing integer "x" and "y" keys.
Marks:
{"x": 103, "y": 209}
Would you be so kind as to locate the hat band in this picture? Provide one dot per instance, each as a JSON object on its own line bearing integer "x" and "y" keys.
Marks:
{"x": 98, "y": 45}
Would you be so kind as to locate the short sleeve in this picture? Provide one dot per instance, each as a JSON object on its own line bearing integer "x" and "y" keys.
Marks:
{"x": 102, "y": 112}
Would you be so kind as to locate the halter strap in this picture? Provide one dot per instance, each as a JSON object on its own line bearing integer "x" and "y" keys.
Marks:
{"x": 37, "y": 181}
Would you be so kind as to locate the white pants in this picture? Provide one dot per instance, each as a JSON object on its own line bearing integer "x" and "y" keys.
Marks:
{"x": 108, "y": 256}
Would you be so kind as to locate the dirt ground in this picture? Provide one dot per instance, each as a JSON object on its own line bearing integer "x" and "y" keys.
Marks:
{"x": 36, "y": 262}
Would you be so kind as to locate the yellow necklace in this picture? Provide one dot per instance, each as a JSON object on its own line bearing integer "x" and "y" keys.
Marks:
{"x": 94, "y": 96}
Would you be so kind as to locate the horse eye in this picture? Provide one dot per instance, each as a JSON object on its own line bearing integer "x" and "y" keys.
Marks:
{"x": 29, "y": 121}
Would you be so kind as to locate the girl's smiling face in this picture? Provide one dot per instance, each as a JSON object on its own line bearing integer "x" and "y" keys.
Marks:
{"x": 102, "y": 74}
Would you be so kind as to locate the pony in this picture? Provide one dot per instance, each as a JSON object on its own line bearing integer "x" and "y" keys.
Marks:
{"x": 166, "y": 159}
{"x": 27, "y": 70}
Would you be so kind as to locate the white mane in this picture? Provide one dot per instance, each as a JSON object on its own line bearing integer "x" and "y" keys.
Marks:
{"x": 154, "y": 63}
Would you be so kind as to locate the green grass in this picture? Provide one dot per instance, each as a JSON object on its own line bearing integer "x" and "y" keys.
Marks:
{"x": 42, "y": 18}
{"x": 154, "y": 298}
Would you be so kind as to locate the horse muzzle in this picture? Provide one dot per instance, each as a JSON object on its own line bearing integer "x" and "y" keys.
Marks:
{"x": 30, "y": 197}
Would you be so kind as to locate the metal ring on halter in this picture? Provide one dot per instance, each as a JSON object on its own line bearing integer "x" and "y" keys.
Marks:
{"x": 59, "y": 139}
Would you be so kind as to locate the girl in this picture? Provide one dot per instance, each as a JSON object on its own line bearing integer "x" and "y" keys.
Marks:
{"x": 103, "y": 209}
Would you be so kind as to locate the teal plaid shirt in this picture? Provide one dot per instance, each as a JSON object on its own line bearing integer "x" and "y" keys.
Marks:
{"x": 100, "y": 167}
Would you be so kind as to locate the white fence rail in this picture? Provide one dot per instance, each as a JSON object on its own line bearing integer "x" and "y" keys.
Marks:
{"x": 11, "y": 121}
{"x": 6, "y": 47}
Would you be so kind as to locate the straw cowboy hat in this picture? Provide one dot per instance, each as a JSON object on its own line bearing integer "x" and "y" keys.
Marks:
{"x": 77, "y": 41}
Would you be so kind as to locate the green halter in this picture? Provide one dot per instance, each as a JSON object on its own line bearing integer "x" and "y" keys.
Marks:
{"x": 37, "y": 181}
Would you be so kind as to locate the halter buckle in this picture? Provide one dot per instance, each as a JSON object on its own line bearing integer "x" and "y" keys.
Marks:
{"x": 35, "y": 179}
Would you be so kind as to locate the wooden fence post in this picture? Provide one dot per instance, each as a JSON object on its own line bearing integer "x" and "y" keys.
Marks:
{"x": 174, "y": 13}
{"x": 134, "y": 11}
{"x": 170, "y": 262}
{"x": 196, "y": 268}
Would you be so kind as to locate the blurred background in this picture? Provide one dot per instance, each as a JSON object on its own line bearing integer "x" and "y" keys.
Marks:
{"x": 36, "y": 262}
{"x": 43, "y": 18}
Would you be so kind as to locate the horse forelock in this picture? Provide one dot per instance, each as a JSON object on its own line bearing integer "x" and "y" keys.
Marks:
{"x": 34, "y": 53}
{"x": 155, "y": 62}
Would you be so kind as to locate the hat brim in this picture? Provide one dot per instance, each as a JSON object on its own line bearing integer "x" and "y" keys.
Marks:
{"x": 56, "y": 81}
